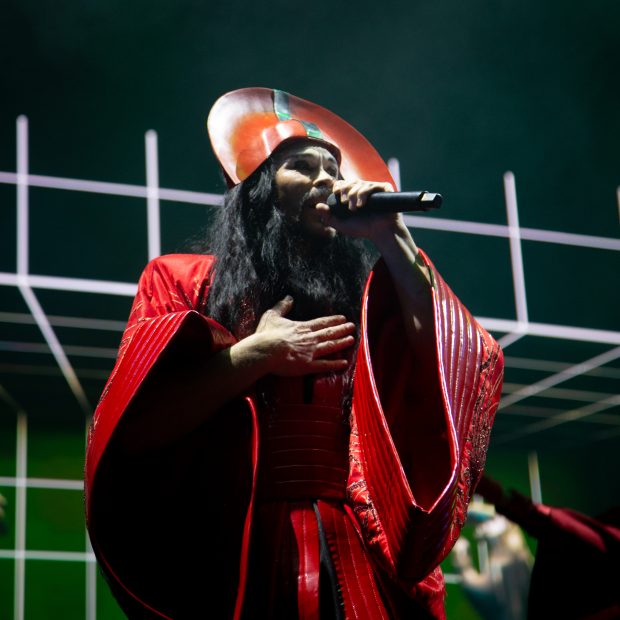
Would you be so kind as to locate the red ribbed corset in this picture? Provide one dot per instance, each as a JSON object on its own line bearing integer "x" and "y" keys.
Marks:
{"x": 303, "y": 453}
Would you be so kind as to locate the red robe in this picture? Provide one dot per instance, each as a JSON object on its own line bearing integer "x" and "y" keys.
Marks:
{"x": 420, "y": 425}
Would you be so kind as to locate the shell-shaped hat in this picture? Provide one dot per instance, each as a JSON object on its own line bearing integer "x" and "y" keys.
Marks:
{"x": 247, "y": 125}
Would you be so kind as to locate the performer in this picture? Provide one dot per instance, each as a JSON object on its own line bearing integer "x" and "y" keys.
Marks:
{"x": 285, "y": 434}
{"x": 498, "y": 588}
{"x": 577, "y": 569}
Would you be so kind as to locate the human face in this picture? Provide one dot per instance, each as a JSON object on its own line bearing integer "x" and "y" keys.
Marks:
{"x": 305, "y": 175}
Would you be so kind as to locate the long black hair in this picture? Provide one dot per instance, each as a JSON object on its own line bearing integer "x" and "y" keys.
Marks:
{"x": 262, "y": 255}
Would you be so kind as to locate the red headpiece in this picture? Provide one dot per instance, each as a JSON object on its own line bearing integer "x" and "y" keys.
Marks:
{"x": 247, "y": 125}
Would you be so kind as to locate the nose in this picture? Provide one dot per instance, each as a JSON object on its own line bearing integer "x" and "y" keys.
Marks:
{"x": 323, "y": 178}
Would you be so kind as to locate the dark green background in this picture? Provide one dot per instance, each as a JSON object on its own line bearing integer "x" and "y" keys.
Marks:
{"x": 460, "y": 92}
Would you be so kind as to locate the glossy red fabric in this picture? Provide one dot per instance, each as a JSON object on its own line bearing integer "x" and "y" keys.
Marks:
{"x": 429, "y": 441}
{"x": 416, "y": 451}
{"x": 361, "y": 596}
{"x": 307, "y": 536}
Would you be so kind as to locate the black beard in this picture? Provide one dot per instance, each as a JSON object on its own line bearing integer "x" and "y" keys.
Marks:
{"x": 324, "y": 275}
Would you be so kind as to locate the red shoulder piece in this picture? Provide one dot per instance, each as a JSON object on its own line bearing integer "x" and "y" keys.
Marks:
{"x": 420, "y": 427}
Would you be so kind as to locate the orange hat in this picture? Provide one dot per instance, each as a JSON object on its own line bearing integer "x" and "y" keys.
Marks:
{"x": 247, "y": 125}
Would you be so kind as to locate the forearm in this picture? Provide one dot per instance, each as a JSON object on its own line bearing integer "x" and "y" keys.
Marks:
{"x": 181, "y": 393}
{"x": 411, "y": 278}
{"x": 180, "y": 397}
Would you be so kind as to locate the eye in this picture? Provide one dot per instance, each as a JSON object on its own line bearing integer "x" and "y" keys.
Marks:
{"x": 301, "y": 164}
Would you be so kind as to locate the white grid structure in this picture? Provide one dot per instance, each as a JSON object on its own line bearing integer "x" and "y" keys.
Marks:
{"x": 25, "y": 282}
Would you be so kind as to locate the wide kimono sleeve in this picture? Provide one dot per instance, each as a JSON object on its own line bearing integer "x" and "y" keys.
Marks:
{"x": 145, "y": 512}
{"x": 421, "y": 422}
{"x": 167, "y": 310}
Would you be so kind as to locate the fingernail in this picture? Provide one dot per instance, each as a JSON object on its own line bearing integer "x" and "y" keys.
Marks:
{"x": 288, "y": 298}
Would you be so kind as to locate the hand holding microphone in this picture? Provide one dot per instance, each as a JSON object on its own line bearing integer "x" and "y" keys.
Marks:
{"x": 370, "y": 209}
{"x": 386, "y": 202}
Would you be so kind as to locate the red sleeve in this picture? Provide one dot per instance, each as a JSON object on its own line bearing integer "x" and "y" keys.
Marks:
{"x": 420, "y": 427}
{"x": 150, "y": 515}
{"x": 167, "y": 309}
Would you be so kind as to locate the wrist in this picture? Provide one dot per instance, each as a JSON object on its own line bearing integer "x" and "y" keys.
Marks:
{"x": 393, "y": 235}
{"x": 253, "y": 353}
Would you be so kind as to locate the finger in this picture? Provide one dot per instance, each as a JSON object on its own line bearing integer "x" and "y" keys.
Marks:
{"x": 325, "y": 321}
{"x": 346, "y": 189}
{"x": 283, "y": 307}
{"x": 331, "y": 333}
{"x": 342, "y": 187}
{"x": 353, "y": 192}
{"x": 357, "y": 192}
{"x": 368, "y": 189}
{"x": 333, "y": 346}
{"x": 364, "y": 193}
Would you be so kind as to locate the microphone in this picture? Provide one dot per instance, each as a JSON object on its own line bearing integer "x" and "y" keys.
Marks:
{"x": 387, "y": 202}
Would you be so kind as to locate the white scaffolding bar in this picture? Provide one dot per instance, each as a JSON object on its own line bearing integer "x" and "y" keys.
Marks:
{"x": 534, "y": 475}
{"x": 23, "y": 280}
{"x": 22, "y": 195}
{"x": 152, "y": 193}
{"x": 394, "y": 168}
{"x": 560, "y": 377}
{"x": 20, "y": 515}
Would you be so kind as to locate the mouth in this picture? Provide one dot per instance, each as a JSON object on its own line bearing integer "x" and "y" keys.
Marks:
{"x": 315, "y": 197}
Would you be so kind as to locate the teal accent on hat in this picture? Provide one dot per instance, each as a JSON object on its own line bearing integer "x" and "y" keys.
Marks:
{"x": 281, "y": 105}
{"x": 312, "y": 130}
{"x": 282, "y": 109}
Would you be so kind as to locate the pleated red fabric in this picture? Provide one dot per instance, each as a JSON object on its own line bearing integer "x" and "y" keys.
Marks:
{"x": 360, "y": 592}
{"x": 425, "y": 512}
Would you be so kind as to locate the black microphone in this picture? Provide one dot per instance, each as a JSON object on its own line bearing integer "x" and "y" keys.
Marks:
{"x": 387, "y": 202}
